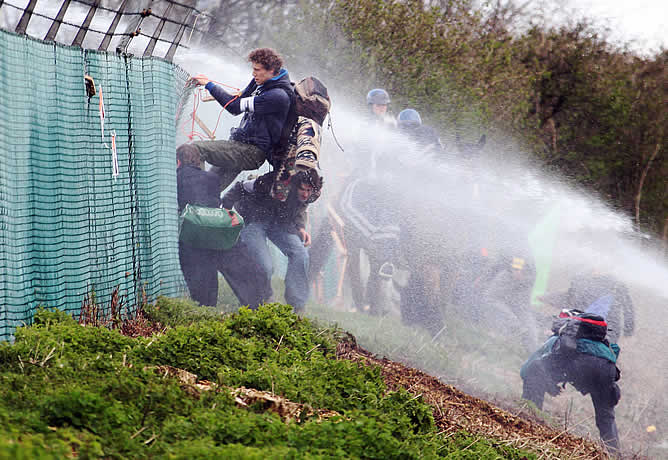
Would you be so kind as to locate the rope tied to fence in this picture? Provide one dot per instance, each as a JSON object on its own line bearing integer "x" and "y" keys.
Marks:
{"x": 197, "y": 98}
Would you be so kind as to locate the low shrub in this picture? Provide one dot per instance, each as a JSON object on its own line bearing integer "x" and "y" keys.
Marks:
{"x": 69, "y": 391}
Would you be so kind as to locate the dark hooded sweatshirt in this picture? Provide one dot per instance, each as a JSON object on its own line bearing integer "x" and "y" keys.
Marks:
{"x": 265, "y": 109}
{"x": 254, "y": 202}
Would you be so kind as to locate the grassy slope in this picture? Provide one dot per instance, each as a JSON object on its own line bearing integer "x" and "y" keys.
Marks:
{"x": 73, "y": 391}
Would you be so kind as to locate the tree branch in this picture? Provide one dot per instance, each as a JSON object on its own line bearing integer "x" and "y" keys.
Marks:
{"x": 642, "y": 182}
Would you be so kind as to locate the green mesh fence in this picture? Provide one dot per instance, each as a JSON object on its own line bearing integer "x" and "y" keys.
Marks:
{"x": 67, "y": 225}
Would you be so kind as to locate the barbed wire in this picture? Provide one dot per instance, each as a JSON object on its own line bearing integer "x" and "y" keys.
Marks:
{"x": 146, "y": 13}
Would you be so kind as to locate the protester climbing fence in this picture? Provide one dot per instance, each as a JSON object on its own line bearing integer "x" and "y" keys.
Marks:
{"x": 87, "y": 183}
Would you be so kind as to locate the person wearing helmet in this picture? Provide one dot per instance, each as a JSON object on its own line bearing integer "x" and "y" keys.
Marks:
{"x": 378, "y": 101}
{"x": 410, "y": 123}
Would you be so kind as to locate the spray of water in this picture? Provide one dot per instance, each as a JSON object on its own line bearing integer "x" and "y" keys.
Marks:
{"x": 458, "y": 208}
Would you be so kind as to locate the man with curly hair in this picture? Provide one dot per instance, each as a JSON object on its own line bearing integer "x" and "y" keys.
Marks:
{"x": 266, "y": 103}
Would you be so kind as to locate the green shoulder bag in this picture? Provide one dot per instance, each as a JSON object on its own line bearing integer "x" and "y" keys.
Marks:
{"x": 209, "y": 228}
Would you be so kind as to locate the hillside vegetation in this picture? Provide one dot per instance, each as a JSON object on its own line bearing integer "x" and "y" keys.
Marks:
{"x": 264, "y": 384}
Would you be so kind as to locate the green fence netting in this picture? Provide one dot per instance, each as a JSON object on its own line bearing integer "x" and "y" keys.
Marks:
{"x": 68, "y": 224}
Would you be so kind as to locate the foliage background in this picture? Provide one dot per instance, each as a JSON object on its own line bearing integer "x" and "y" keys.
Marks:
{"x": 593, "y": 111}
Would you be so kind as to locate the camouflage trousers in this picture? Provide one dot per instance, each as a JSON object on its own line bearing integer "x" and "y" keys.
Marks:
{"x": 303, "y": 154}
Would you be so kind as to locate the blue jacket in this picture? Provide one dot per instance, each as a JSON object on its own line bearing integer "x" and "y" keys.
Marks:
{"x": 265, "y": 109}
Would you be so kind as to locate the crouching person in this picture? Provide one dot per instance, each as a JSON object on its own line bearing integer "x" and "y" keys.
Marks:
{"x": 586, "y": 362}
{"x": 284, "y": 224}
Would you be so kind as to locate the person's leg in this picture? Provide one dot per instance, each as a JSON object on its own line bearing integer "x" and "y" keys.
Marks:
{"x": 604, "y": 400}
{"x": 596, "y": 376}
{"x": 425, "y": 292}
{"x": 374, "y": 286}
{"x": 241, "y": 273}
{"x": 320, "y": 250}
{"x": 539, "y": 380}
{"x": 231, "y": 157}
{"x": 254, "y": 239}
{"x": 199, "y": 270}
{"x": 296, "y": 277}
{"x": 412, "y": 296}
{"x": 354, "y": 275}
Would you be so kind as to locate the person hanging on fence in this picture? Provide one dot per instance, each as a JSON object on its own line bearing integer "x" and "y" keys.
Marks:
{"x": 282, "y": 222}
{"x": 266, "y": 104}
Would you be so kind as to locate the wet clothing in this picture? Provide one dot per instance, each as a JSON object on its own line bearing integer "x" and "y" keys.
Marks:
{"x": 423, "y": 135}
{"x": 253, "y": 200}
{"x": 254, "y": 236}
{"x": 230, "y": 158}
{"x": 198, "y": 265}
{"x": 279, "y": 222}
{"x": 373, "y": 215}
{"x": 421, "y": 299}
{"x": 602, "y": 295}
{"x": 303, "y": 153}
{"x": 586, "y": 371}
{"x": 265, "y": 110}
{"x": 372, "y": 223}
{"x": 196, "y": 187}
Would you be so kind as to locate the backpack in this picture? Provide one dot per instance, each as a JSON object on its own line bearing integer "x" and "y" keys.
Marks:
{"x": 572, "y": 325}
{"x": 301, "y": 135}
{"x": 311, "y": 100}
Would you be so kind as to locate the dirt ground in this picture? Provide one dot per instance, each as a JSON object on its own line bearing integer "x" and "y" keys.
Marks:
{"x": 454, "y": 410}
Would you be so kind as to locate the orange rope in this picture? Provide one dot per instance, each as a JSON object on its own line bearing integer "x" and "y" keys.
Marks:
{"x": 197, "y": 98}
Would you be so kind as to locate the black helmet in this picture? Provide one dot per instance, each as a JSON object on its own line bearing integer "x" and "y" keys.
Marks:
{"x": 378, "y": 96}
{"x": 409, "y": 118}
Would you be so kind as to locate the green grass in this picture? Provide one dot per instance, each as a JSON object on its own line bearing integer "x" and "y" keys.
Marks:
{"x": 85, "y": 392}
{"x": 462, "y": 354}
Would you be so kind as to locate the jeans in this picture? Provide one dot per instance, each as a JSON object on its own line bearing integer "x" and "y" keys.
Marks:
{"x": 254, "y": 236}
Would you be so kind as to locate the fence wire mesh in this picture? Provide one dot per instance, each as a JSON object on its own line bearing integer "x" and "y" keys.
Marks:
{"x": 69, "y": 223}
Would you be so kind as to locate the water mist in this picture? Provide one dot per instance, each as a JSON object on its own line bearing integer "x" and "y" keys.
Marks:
{"x": 492, "y": 201}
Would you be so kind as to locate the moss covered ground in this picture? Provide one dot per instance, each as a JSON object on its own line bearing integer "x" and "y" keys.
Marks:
{"x": 69, "y": 391}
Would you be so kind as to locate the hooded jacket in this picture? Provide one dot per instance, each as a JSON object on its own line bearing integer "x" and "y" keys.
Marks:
{"x": 265, "y": 110}
{"x": 603, "y": 350}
